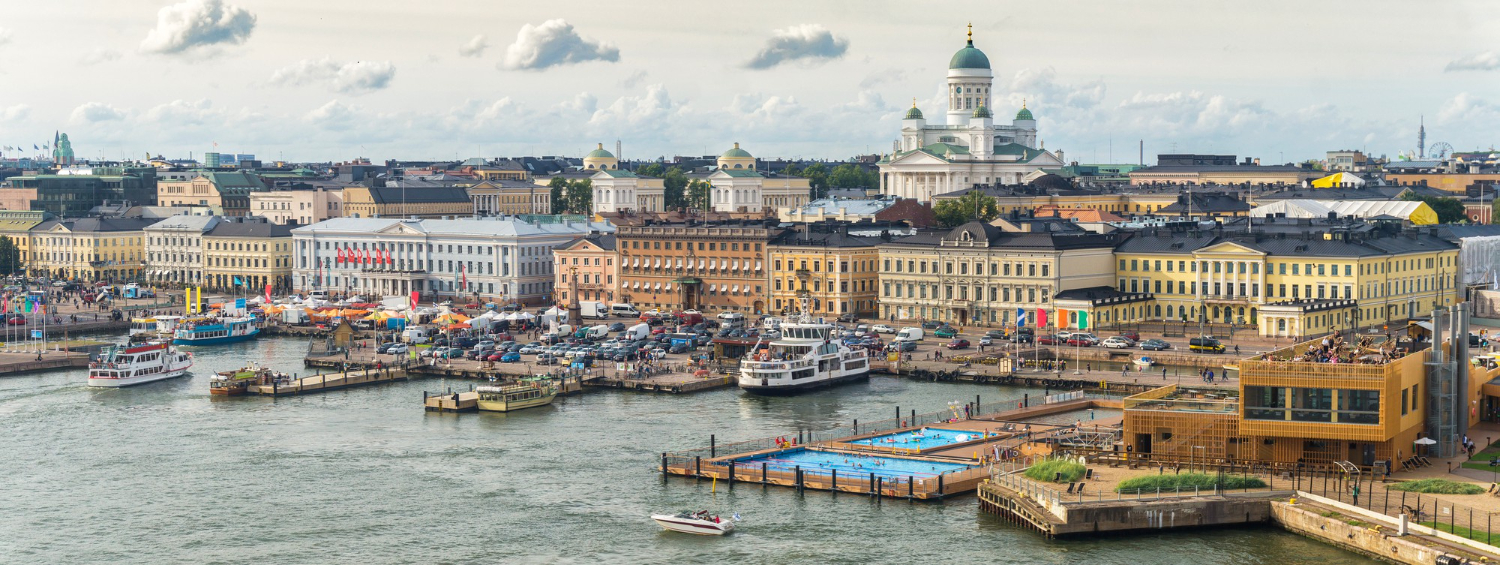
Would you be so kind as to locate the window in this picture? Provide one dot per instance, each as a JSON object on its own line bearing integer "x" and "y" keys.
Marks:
{"x": 1044, "y": 269}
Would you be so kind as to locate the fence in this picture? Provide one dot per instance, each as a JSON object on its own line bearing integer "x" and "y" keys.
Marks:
{"x": 1426, "y": 509}
{"x": 1010, "y": 474}
{"x": 881, "y": 484}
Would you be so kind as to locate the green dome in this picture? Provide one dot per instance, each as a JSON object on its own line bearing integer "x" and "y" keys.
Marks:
{"x": 600, "y": 153}
{"x": 982, "y": 112}
{"x": 969, "y": 58}
{"x": 737, "y": 152}
{"x": 913, "y": 114}
{"x": 1024, "y": 114}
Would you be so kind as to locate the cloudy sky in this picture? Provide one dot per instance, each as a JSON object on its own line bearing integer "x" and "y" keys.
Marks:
{"x": 337, "y": 79}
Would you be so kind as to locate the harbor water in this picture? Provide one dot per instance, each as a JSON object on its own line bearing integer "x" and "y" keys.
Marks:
{"x": 162, "y": 473}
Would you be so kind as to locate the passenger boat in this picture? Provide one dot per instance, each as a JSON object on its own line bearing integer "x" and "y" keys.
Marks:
{"x": 235, "y": 383}
{"x": 142, "y": 325}
{"x": 1143, "y": 361}
{"x": 700, "y": 523}
{"x": 215, "y": 331}
{"x": 507, "y": 398}
{"x": 140, "y": 364}
{"x": 806, "y": 356}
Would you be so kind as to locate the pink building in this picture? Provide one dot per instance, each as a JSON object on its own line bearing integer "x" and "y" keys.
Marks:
{"x": 593, "y": 261}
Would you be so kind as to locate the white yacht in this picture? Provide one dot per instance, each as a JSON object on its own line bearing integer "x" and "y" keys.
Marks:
{"x": 140, "y": 364}
{"x": 806, "y": 356}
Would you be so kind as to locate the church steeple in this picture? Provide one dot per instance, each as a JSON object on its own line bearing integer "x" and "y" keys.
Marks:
{"x": 971, "y": 34}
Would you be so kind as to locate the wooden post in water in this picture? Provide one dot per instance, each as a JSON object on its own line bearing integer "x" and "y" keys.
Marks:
{"x": 763, "y": 479}
{"x": 797, "y": 474}
{"x": 833, "y": 480}
{"x": 731, "y": 474}
{"x": 976, "y": 405}
{"x": 911, "y": 488}
{"x": 872, "y": 485}
{"x": 698, "y": 466}
{"x": 898, "y": 414}
{"x": 940, "y": 485}
{"x": 713, "y": 450}
{"x": 879, "y": 483}
{"x": 663, "y": 459}
{"x": 856, "y": 426}
{"x": 913, "y": 420}
{"x": 1025, "y": 400}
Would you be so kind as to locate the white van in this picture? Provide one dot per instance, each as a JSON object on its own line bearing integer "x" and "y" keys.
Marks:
{"x": 910, "y": 334}
{"x": 624, "y": 310}
{"x": 599, "y": 332}
{"x": 415, "y": 335}
{"x": 638, "y": 331}
{"x": 595, "y": 310}
{"x": 731, "y": 318}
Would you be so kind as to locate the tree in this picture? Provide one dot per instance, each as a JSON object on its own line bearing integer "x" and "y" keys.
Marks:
{"x": 698, "y": 192}
{"x": 849, "y": 175}
{"x": 1449, "y": 210}
{"x": 581, "y": 196}
{"x": 1494, "y": 209}
{"x": 10, "y": 256}
{"x": 674, "y": 184}
{"x": 558, "y": 186}
{"x": 972, "y": 206}
{"x": 817, "y": 180}
{"x": 650, "y": 170}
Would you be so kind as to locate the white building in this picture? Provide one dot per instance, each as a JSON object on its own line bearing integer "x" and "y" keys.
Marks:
{"x": 970, "y": 148}
{"x": 739, "y": 187}
{"x": 489, "y": 258}
{"x": 174, "y": 249}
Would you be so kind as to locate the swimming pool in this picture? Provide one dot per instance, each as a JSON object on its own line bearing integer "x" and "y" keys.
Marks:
{"x": 848, "y": 464}
{"x": 923, "y": 439}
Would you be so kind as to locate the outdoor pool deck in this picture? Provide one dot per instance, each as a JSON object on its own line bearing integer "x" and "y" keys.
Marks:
{"x": 944, "y": 460}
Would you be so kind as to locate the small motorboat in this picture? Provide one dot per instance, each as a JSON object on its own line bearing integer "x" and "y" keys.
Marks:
{"x": 700, "y": 523}
{"x": 1143, "y": 361}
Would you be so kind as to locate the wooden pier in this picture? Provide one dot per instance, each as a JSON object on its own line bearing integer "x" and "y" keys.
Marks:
{"x": 456, "y": 402}
{"x": 675, "y": 383}
{"x": 329, "y": 382}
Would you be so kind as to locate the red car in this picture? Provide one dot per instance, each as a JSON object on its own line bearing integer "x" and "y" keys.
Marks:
{"x": 16, "y": 320}
{"x": 1131, "y": 335}
{"x": 958, "y": 344}
{"x": 1080, "y": 341}
{"x": 493, "y": 357}
{"x": 1049, "y": 339}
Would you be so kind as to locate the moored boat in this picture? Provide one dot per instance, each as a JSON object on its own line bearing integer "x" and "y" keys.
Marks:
{"x": 507, "y": 398}
{"x": 1143, "y": 361}
{"x": 215, "y": 331}
{"x": 235, "y": 383}
{"x": 700, "y": 523}
{"x": 806, "y": 356}
{"x": 118, "y": 367}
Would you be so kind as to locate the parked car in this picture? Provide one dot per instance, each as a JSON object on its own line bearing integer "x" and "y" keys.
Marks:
{"x": 848, "y": 317}
{"x": 511, "y": 357}
{"x": 986, "y": 340}
{"x": 1155, "y": 345}
{"x": 1205, "y": 345}
{"x": 1131, "y": 335}
{"x": 902, "y": 346}
{"x": 617, "y": 327}
{"x": 1117, "y": 342}
{"x": 882, "y": 329}
{"x": 1023, "y": 337}
{"x": 1047, "y": 339}
{"x": 397, "y": 349}
{"x": 995, "y": 334}
{"x": 1081, "y": 339}
{"x": 931, "y": 325}
{"x": 945, "y": 331}
{"x": 958, "y": 344}
{"x": 546, "y": 359}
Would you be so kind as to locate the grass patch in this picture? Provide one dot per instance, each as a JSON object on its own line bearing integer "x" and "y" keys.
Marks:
{"x": 1048, "y": 469}
{"x": 1186, "y": 481}
{"x": 1329, "y": 514}
{"x": 1476, "y": 535}
{"x": 1437, "y": 486}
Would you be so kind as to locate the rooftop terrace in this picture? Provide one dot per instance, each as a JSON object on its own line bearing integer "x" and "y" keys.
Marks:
{"x": 1185, "y": 399}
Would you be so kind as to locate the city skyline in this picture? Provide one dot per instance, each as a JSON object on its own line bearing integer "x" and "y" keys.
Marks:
{"x": 342, "y": 80}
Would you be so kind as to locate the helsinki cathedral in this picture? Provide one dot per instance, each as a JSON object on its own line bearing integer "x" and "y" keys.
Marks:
{"x": 966, "y": 147}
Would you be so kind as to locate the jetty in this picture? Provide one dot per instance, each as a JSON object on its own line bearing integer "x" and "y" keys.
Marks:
{"x": 456, "y": 402}
{"x": 675, "y": 383}
{"x": 328, "y": 382}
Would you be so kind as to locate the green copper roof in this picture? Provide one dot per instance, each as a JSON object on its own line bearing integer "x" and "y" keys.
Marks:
{"x": 1024, "y": 114}
{"x": 741, "y": 173}
{"x": 913, "y": 114}
{"x": 982, "y": 112}
{"x": 600, "y": 153}
{"x": 941, "y": 149}
{"x": 737, "y": 152}
{"x": 969, "y": 58}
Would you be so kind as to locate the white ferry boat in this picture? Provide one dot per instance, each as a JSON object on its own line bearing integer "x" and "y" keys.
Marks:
{"x": 806, "y": 356}
{"x": 140, "y": 364}
{"x": 214, "y": 331}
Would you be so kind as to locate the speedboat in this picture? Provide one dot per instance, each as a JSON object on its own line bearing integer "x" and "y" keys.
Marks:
{"x": 1143, "y": 361}
{"x": 700, "y": 523}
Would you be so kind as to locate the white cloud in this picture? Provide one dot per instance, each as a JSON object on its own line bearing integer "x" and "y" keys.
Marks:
{"x": 5, "y": 36}
{"x": 14, "y": 113}
{"x": 1487, "y": 61}
{"x": 554, "y": 43}
{"x": 99, "y": 55}
{"x": 633, "y": 80}
{"x": 334, "y": 115}
{"x": 1469, "y": 110}
{"x": 807, "y": 42}
{"x": 197, "y": 25}
{"x": 474, "y": 47}
{"x": 97, "y": 112}
{"x": 179, "y": 113}
{"x": 356, "y": 77}
{"x": 878, "y": 78}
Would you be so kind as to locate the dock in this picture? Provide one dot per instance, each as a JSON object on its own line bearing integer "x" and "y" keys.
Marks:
{"x": 674, "y": 383}
{"x": 456, "y": 402}
{"x": 328, "y": 382}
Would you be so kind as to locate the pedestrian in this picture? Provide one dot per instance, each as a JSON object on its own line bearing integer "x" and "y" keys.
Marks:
{"x": 1356, "y": 493}
{"x": 1164, "y": 373}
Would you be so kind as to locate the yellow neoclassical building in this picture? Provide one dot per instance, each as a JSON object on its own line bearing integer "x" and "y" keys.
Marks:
{"x": 88, "y": 249}
{"x": 1288, "y": 278}
{"x": 393, "y": 201}
{"x": 252, "y": 249}
{"x": 837, "y": 272}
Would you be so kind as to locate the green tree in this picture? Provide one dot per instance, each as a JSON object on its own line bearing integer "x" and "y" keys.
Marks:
{"x": 1449, "y": 210}
{"x": 650, "y": 170}
{"x": 972, "y": 206}
{"x": 10, "y": 256}
{"x": 674, "y": 186}
{"x": 559, "y": 186}
{"x": 817, "y": 180}
{"x": 849, "y": 175}
{"x": 581, "y": 196}
{"x": 1494, "y": 209}
{"x": 698, "y": 192}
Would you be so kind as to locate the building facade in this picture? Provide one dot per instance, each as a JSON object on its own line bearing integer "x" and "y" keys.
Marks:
{"x": 297, "y": 204}
{"x": 509, "y": 198}
{"x": 68, "y": 196}
{"x": 246, "y": 254}
{"x": 488, "y": 258}
{"x": 591, "y": 261}
{"x": 88, "y": 249}
{"x": 836, "y": 272}
{"x": 739, "y": 187}
{"x": 712, "y": 267}
{"x": 227, "y": 193}
{"x": 421, "y": 202}
{"x": 174, "y": 249}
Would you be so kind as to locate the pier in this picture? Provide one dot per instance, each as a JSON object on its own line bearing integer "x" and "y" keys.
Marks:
{"x": 328, "y": 382}
{"x": 455, "y": 402}
{"x": 675, "y": 383}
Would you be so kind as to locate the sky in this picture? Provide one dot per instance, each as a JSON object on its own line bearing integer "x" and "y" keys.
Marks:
{"x": 332, "y": 80}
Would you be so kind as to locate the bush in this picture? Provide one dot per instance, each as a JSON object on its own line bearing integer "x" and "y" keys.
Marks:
{"x": 1438, "y": 486}
{"x": 1186, "y": 481}
{"x": 1047, "y": 470}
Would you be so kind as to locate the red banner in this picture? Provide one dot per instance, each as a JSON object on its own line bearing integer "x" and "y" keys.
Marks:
{"x": 1041, "y": 318}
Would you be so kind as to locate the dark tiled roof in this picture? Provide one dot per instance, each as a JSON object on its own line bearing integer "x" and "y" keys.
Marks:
{"x": 603, "y": 241}
{"x": 1283, "y": 244}
{"x": 99, "y": 224}
{"x": 422, "y": 195}
{"x": 824, "y": 239}
{"x": 1212, "y": 203}
{"x": 1101, "y": 295}
{"x": 249, "y": 227}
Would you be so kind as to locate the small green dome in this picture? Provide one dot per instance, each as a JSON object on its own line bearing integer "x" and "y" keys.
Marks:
{"x": 982, "y": 112}
{"x": 913, "y": 114}
{"x": 737, "y": 152}
{"x": 969, "y": 58}
{"x": 600, "y": 153}
{"x": 1024, "y": 114}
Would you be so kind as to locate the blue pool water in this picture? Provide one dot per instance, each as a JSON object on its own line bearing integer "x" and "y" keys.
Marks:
{"x": 848, "y": 464}
{"x": 933, "y": 437}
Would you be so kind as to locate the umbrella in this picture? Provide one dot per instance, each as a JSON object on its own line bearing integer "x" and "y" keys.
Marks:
{"x": 1426, "y": 441}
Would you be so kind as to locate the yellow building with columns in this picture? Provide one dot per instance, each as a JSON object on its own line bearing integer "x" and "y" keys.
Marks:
{"x": 251, "y": 249}
{"x": 836, "y": 271}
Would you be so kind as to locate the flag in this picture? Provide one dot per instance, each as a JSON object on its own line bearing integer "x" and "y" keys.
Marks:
{"x": 388, "y": 259}
{"x": 1041, "y": 318}
{"x": 340, "y": 258}
{"x": 1062, "y": 318}
{"x": 1083, "y": 319}
{"x": 414, "y": 297}
{"x": 237, "y": 282}
{"x": 34, "y": 147}
{"x": 28, "y": 305}
{"x": 268, "y": 293}
{"x": 1020, "y": 317}
{"x": 465, "y": 275}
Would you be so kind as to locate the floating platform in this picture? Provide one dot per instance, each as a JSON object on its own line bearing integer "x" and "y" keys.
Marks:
{"x": 675, "y": 383}
{"x": 456, "y": 402}
{"x": 328, "y": 382}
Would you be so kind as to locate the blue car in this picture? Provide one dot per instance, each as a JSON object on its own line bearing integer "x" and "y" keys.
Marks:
{"x": 511, "y": 357}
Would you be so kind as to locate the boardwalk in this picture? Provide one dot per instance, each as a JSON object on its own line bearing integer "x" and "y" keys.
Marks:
{"x": 328, "y": 382}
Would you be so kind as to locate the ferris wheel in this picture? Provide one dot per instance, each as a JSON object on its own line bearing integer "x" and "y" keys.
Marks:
{"x": 1440, "y": 150}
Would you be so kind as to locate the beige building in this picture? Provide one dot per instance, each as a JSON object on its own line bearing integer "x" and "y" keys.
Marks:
{"x": 591, "y": 261}
{"x": 253, "y": 250}
{"x": 431, "y": 202}
{"x": 300, "y": 204}
{"x": 88, "y": 249}
{"x": 836, "y": 272}
{"x": 510, "y": 198}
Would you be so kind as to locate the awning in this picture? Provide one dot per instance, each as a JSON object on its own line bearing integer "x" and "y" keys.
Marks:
{"x": 687, "y": 280}
{"x": 713, "y": 287}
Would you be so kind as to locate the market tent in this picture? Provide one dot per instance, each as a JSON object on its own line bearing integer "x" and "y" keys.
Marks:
{"x": 1337, "y": 180}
